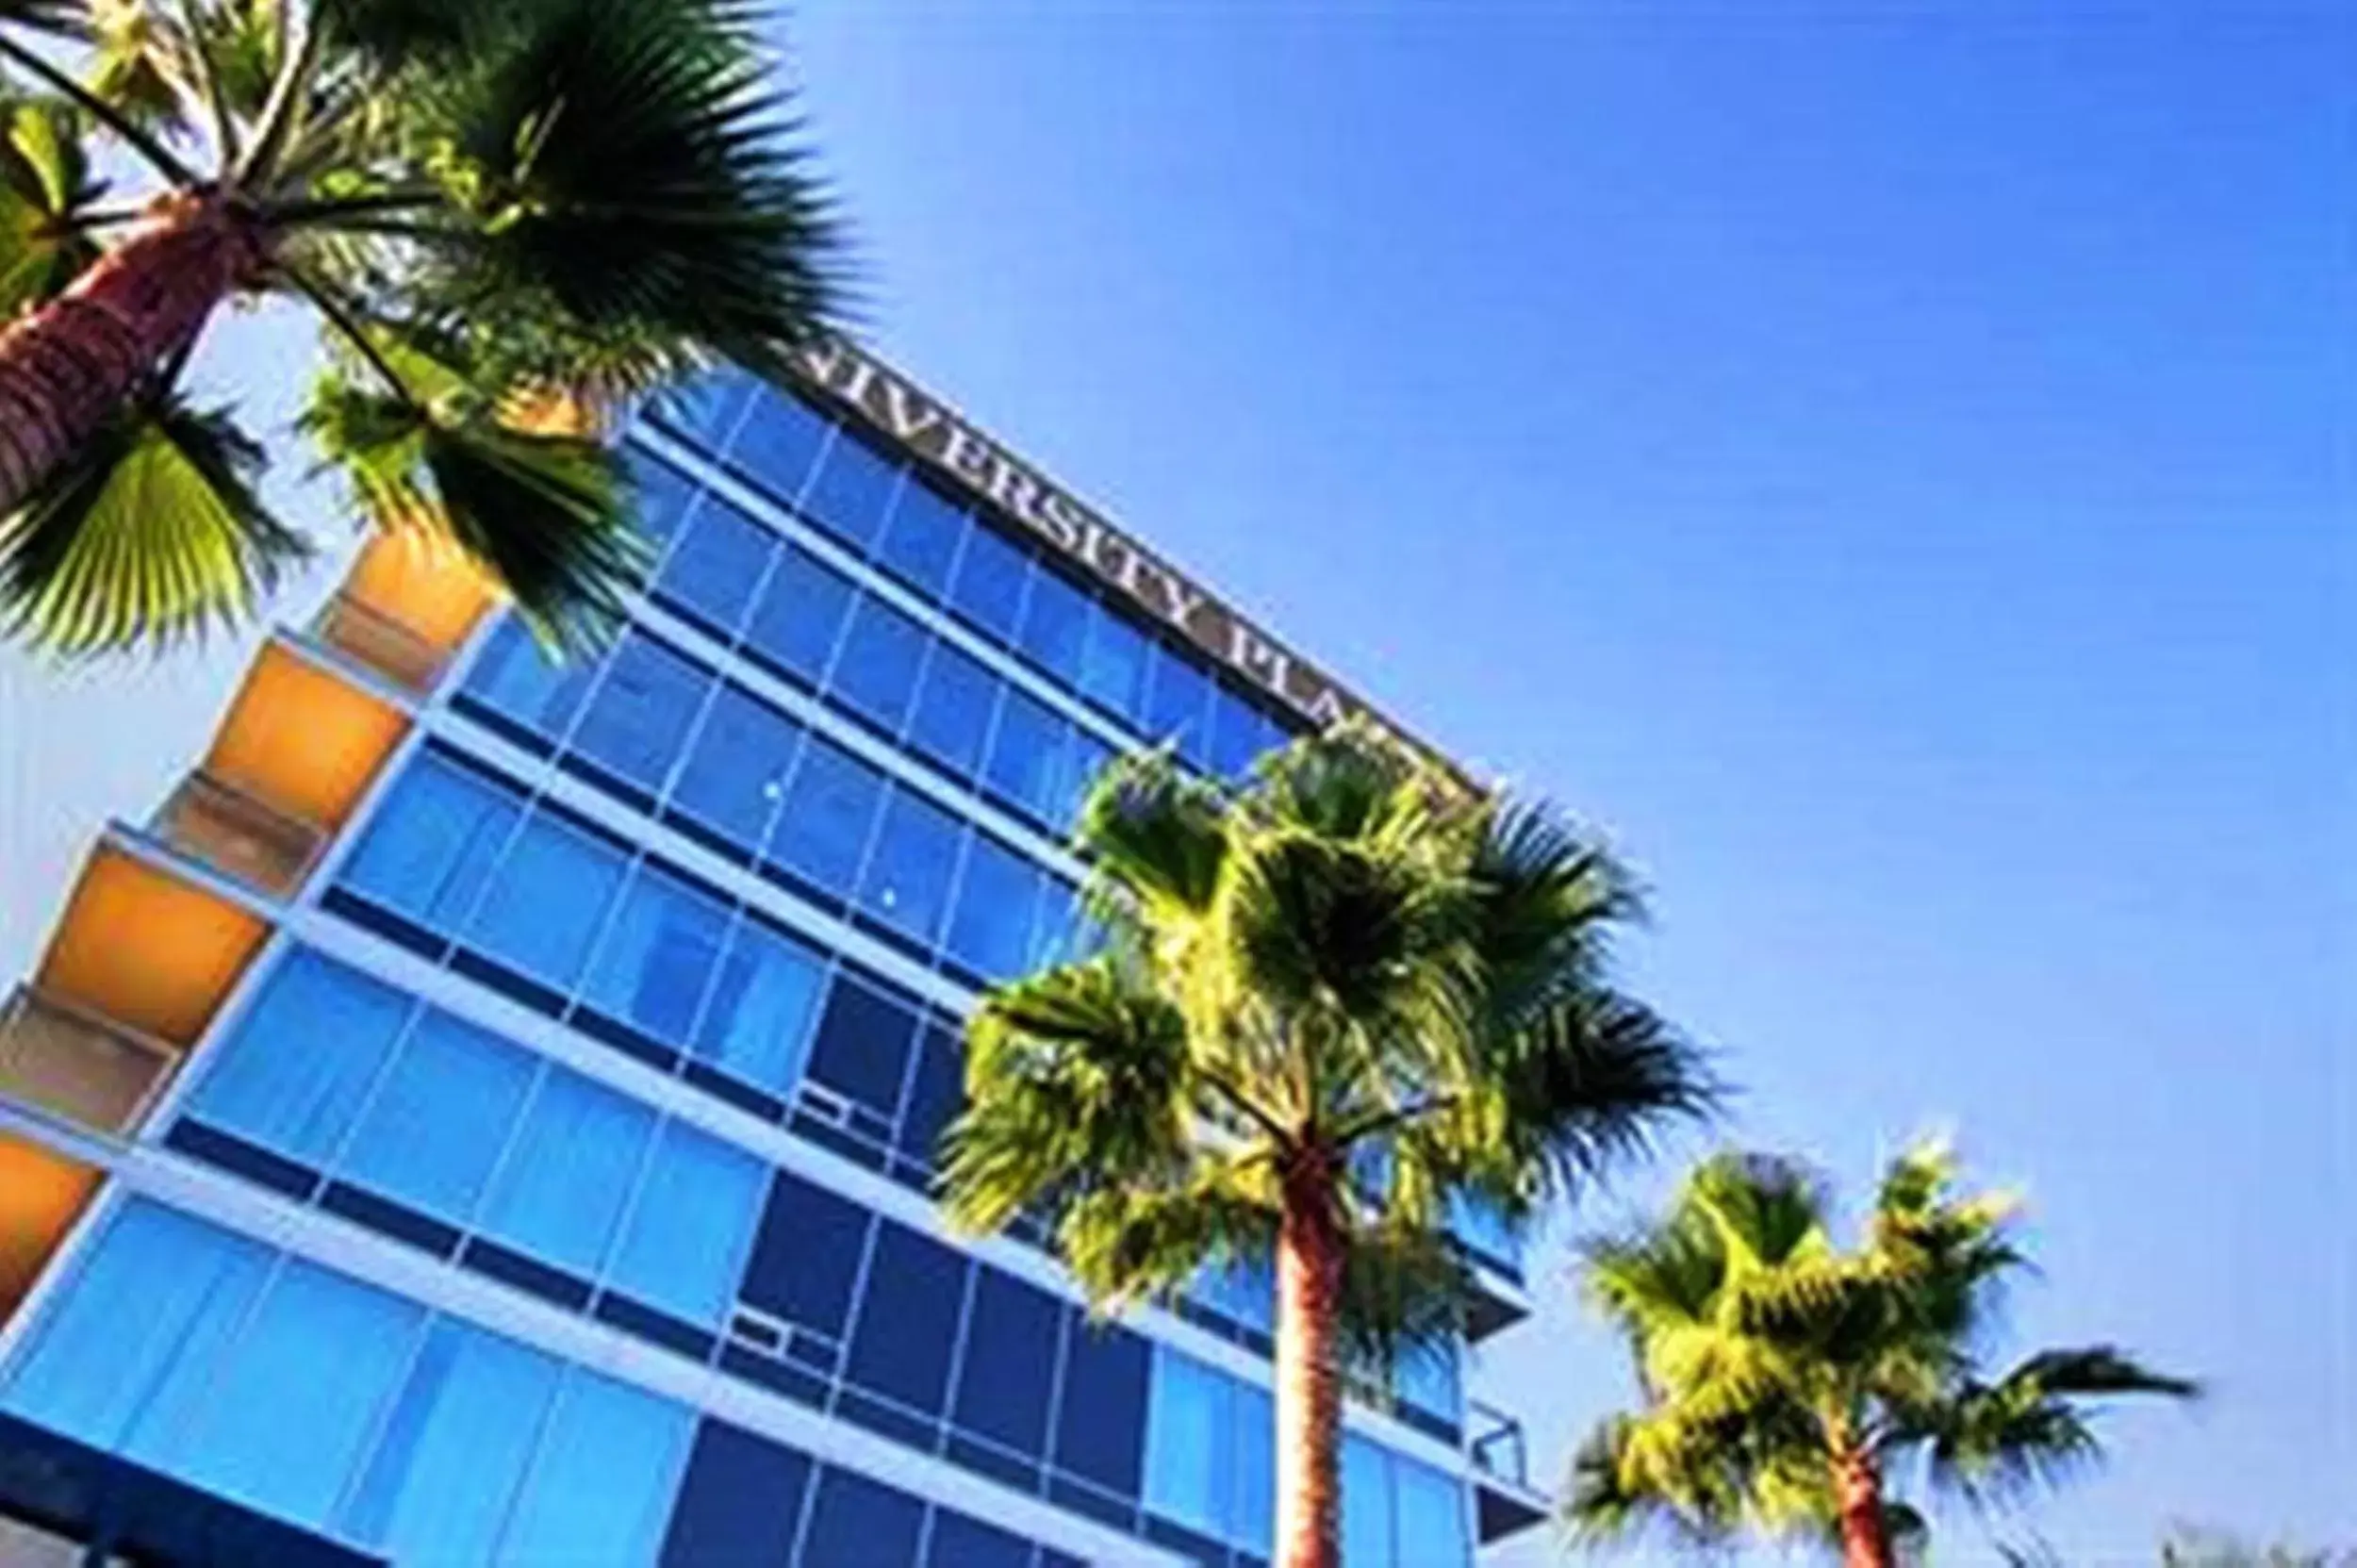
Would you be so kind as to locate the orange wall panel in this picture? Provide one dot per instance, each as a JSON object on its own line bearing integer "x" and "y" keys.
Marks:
{"x": 302, "y": 739}
{"x": 147, "y": 949}
{"x": 40, "y": 1195}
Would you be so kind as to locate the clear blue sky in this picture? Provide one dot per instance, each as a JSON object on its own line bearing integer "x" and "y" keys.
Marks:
{"x": 1888, "y": 463}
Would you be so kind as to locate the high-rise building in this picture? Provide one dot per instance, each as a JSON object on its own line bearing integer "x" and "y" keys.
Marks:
{"x": 486, "y": 1116}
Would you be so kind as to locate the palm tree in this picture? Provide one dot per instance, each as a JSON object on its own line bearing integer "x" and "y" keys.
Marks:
{"x": 1789, "y": 1384}
{"x": 506, "y": 217}
{"x": 1326, "y": 1003}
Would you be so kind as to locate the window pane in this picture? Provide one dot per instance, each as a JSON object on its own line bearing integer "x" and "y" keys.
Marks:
{"x": 575, "y": 1159}
{"x": 1431, "y": 1516}
{"x": 515, "y": 678}
{"x": 284, "y": 1426}
{"x": 807, "y": 1257}
{"x": 775, "y": 444}
{"x": 1241, "y": 1293}
{"x": 549, "y": 898}
{"x": 430, "y": 846}
{"x": 936, "y": 1093}
{"x": 1366, "y": 1504}
{"x": 853, "y": 487}
{"x": 435, "y": 1126}
{"x": 1253, "y": 1523}
{"x": 908, "y": 1319}
{"x": 1235, "y": 735}
{"x": 958, "y": 1541}
{"x": 828, "y": 810}
{"x": 996, "y": 896}
{"x": 717, "y": 563}
{"x": 739, "y": 1503}
{"x": 601, "y": 1487}
{"x": 639, "y": 719}
{"x": 292, "y": 1074}
{"x": 1429, "y": 1381}
{"x": 706, "y": 407}
{"x": 1112, "y": 670}
{"x": 989, "y": 582}
{"x": 657, "y": 954}
{"x": 758, "y": 1020}
{"x": 863, "y": 1047}
{"x": 1085, "y": 758}
{"x": 920, "y": 542}
{"x": 951, "y": 718}
{"x": 1010, "y": 1366}
{"x": 98, "y": 1373}
{"x": 1189, "y": 1445}
{"x": 1055, "y": 624}
{"x": 663, "y": 493}
{"x": 1027, "y": 755}
{"x": 800, "y": 614}
{"x": 857, "y": 1521}
{"x": 687, "y": 1231}
{"x": 907, "y": 881}
{"x": 1179, "y": 702}
{"x": 454, "y": 1449}
{"x": 735, "y": 771}
{"x": 881, "y": 654}
{"x": 1052, "y": 934}
{"x": 1100, "y": 1426}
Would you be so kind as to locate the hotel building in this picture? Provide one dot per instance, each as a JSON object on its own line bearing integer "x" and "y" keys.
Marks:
{"x": 486, "y": 1113}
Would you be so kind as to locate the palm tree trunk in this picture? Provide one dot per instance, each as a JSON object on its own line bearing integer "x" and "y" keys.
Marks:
{"x": 1865, "y": 1533}
{"x": 66, "y": 368}
{"x": 1309, "y": 1252}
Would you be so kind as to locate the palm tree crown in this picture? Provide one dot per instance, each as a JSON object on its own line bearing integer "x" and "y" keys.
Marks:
{"x": 1326, "y": 1003}
{"x": 506, "y": 217}
{"x": 1789, "y": 1384}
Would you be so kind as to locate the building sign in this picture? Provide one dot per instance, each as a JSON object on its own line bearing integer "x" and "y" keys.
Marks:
{"x": 929, "y": 431}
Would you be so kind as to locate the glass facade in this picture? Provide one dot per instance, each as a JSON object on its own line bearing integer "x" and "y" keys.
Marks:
{"x": 630, "y": 1004}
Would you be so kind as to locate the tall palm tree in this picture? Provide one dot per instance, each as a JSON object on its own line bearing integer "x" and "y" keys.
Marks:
{"x": 1790, "y": 1385}
{"x": 1326, "y": 1003}
{"x": 505, "y": 218}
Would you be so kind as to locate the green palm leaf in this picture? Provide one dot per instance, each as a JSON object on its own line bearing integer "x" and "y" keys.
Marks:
{"x": 44, "y": 182}
{"x": 154, "y": 533}
{"x": 65, "y": 18}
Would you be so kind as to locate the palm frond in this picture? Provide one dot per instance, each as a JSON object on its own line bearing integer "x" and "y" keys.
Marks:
{"x": 549, "y": 515}
{"x": 138, "y": 63}
{"x": 60, "y": 17}
{"x": 44, "y": 185}
{"x": 153, "y": 533}
{"x": 632, "y": 180}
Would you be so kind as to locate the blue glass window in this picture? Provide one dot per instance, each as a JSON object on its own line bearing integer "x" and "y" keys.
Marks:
{"x": 1189, "y": 1445}
{"x": 1430, "y": 1516}
{"x": 717, "y": 564}
{"x": 989, "y": 931}
{"x": 1055, "y": 624}
{"x": 640, "y": 715}
{"x": 907, "y": 881}
{"x": 294, "y": 1073}
{"x": 857, "y": 1521}
{"x": 735, "y": 771}
{"x": 853, "y": 490}
{"x": 430, "y": 846}
{"x": 777, "y": 440}
{"x": 908, "y": 1320}
{"x": 1485, "y": 1232}
{"x": 515, "y": 678}
{"x": 706, "y": 407}
{"x": 109, "y": 1377}
{"x": 1366, "y": 1503}
{"x": 662, "y": 492}
{"x": 1009, "y": 1372}
{"x": 991, "y": 577}
{"x": 689, "y": 1225}
{"x": 1026, "y": 755}
{"x": 453, "y": 1450}
{"x": 1112, "y": 669}
{"x": 800, "y": 614}
{"x": 920, "y": 542}
{"x": 881, "y": 654}
{"x": 658, "y": 953}
{"x": 576, "y": 1156}
{"x": 1235, "y": 735}
{"x": 757, "y": 1024}
{"x": 601, "y": 1487}
{"x": 434, "y": 1127}
{"x": 1085, "y": 757}
{"x": 829, "y": 809}
{"x": 1429, "y": 1380}
{"x": 544, "y": 907}
{"x": 951, "y": 720}
{"x": 1178, "y": 703}
{"x": 1253, "y": 1523}
{"x": 284, "y": 1424}
{"x": 1053, "y": 929}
